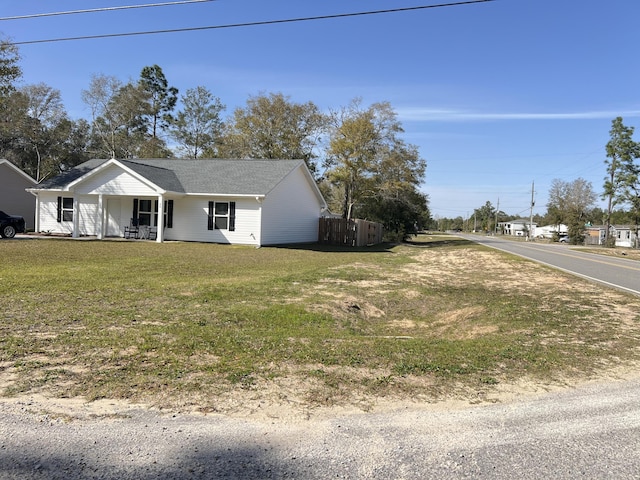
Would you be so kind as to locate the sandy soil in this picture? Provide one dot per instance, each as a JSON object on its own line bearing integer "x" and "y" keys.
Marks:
{"x": 294, "y": 411}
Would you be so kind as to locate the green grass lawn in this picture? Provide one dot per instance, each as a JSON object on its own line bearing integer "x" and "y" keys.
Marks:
{"x": 185, "y": 323}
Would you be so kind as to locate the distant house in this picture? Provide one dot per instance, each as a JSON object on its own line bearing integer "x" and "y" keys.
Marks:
{"x": 624, "y": 235}
{"x": 14, "y": 199}
{"x": 250, "y": 202}
{"x": 548, "y": 231}
{"x": 518, "y": 228}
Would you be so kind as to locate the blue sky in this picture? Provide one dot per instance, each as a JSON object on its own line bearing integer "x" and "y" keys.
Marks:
{"x": 496, "y": 95}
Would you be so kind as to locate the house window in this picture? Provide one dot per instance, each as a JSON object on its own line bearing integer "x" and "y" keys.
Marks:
{"x": 145, "y": 212}
{"x": 222, "y": 216}
{"x": 167, "y": 221}
{"x": 65, "y": 209}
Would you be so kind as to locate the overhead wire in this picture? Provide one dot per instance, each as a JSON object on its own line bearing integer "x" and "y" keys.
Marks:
{"x": 252, "y": 24}
{"x": 102, "y": 9}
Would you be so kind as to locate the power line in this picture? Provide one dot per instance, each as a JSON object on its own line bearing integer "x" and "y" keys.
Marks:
{"x": 103, "y": 9}
{"x": 251, "y": 24}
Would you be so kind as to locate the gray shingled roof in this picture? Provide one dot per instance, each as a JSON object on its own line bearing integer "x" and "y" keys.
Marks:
{"x": 65, "y": 178}
{"x": 216, "y": 176}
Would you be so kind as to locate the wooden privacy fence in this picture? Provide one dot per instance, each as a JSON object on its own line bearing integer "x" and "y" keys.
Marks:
{"x": 353, "y": 233}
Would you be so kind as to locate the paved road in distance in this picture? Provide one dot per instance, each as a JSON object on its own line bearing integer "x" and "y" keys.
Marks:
{"x": 616, "y": 272}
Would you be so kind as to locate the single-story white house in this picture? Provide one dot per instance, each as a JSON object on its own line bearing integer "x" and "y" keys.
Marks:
{"x": 14, "y": 199}
{"x": 250, "y": 202}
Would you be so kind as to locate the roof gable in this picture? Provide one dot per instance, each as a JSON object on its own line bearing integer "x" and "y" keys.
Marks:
{"x": 17, "y": 170}
{"x": 113, "y": 177}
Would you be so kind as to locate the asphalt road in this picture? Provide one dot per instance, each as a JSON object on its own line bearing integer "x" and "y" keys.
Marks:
{"x": 612, "y": 271}
{"x": 591, "y": 432}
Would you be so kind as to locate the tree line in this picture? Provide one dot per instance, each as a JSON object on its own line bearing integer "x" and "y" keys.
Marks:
{"x": 356, "y": 153}
{"x": 573, "y": 202}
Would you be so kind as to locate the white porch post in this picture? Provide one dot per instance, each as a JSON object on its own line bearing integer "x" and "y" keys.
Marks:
{"x": 37, "y": 219}
{"x": 260, "y": 220}
{"x": 76, "y": 217}
{"x": 101, "y": 216}
{"x": 160, "y": 225}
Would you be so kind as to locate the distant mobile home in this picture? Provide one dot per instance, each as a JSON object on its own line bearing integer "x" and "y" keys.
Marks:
{"x": 624, "y": 235}
{"x": 549, "y": 231}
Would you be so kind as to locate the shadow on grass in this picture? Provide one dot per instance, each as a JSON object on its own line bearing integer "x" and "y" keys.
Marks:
{"x": 379, "y": 248}
{"x": 320, "y": 247}
{"x": 448, "y": 242}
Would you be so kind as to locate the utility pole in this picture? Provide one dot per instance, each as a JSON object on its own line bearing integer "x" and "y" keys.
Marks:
{"x": 497, "y": 210}
{"x": 531, "y": 236}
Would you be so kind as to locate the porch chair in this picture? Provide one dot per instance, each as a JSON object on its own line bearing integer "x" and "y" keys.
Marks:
{"x": 131, "y": 230}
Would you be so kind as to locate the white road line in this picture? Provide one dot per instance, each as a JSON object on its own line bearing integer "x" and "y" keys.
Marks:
{"x": 571, "y": 272}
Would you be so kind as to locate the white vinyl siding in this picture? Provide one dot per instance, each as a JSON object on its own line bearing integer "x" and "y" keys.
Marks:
{"x": 49, "y": 215}
{"x": 190, "y": 219}
{"x": 88, "y": 218}
{"x": 291, "y": 212}
{"x": 115, "y": 181}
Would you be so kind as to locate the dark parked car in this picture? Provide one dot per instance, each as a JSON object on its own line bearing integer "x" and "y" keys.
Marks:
{"x": 10, "y": 225}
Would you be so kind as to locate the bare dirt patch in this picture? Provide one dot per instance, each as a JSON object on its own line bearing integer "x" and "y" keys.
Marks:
{"x": 452, "y": 268}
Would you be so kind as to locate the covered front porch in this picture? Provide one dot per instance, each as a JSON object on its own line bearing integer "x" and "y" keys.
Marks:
{"x": 103, "y": 216}
{"x": 108, "y": 201}
{"x": 134, "y": 217}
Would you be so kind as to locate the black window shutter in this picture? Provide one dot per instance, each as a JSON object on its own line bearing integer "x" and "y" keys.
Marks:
{"x": 59, "y": 217}
{"x": 135, "y": 211}
{"x": 170, "y": 214}
{"x": 232, "y": 216}
{"x": 210, "y": 219}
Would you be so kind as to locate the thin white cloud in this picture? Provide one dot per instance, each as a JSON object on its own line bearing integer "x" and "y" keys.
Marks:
{"x": 442, "y": 115}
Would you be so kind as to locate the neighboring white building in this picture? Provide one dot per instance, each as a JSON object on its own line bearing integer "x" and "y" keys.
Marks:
{"x": 624, "y": 234}
{"x": 251, "y": 202}
{"x": 518, "y": 228}
{"x": 14, "y": 200}
{"x": 548, "y": 231}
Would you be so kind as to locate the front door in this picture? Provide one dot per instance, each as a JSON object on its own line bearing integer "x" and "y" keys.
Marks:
{"x": 114, "y": 226}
